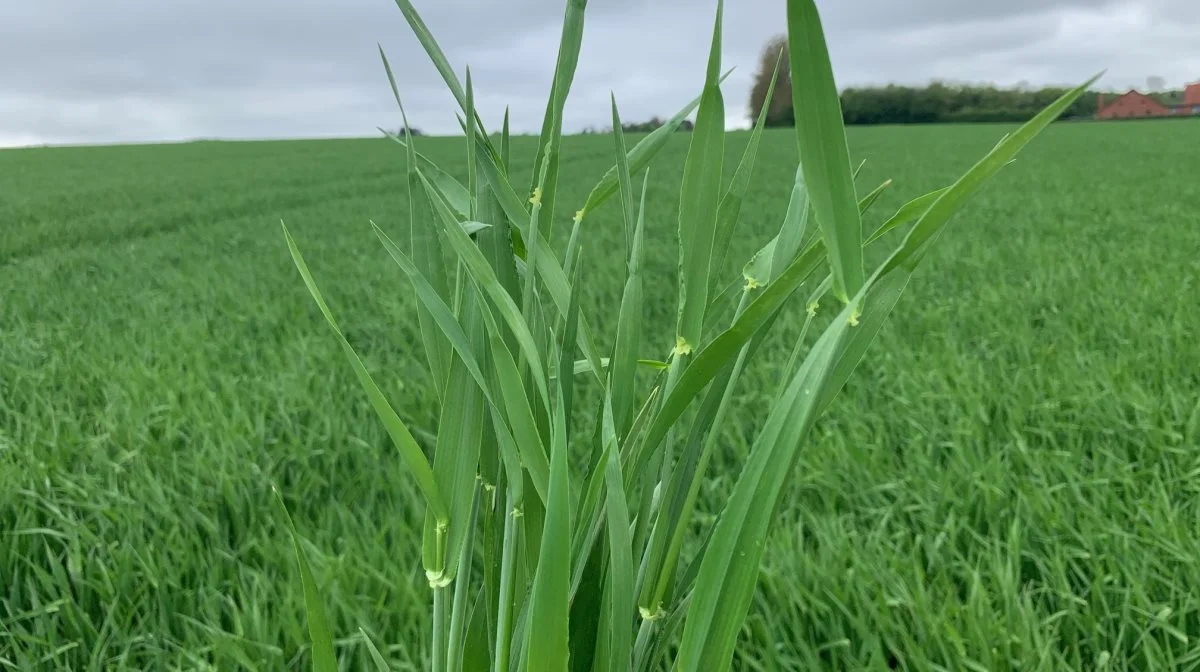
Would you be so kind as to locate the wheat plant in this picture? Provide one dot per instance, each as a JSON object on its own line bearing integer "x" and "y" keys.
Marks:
{"x": 555, "y": 544}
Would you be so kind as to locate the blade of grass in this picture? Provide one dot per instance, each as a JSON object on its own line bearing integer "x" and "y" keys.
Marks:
{"x": 438, "y": 58}
{"x": 530, "y": 445}
{"x": 629, "y": 318}
{"x": 591, "y": 516}
{"x": 757, "y": 273}
{"x": 931, "y": 221}
{"x": 477, "y": 651}
{"x": 552, "y": 274}
{"x": 793, "y": 362}
{"x": 512, "y": 204}
{"x": 510, "y": 393}
{"x": 495, "y": 241}
{"x": 729, "y": 568}
{"x": 772, "y": 258}
{"x": 640, "y": 156}
{"x": 529, "y": 290}
{"x": 460, "y": 435}
{"x": 551, "y": 136}
{"x": 323, "y": 659}
{"x": 549, "y": 602}
{"x": 623, "y": 178}
{"x": 824, "y": 155}
{"x": 481, "y": 272}
{"x": 720, "y": 305}
{"x": 452, "y": 190}
{"x": 731, "y": 561}
{"x": 505, "y": 149}
{"x": 621, "y": 585}
{"x": 906, "y": 213}
{"x": 376, "y": 657}
{"x": 654, "y": 556}
{"x": 441, "y": 625}
{"x": 730, "y": 208}
{"x": 590, "y": 634}
{"x": 721, "y": 350}
{"x": 462, "y": 582}
{"x": 425, "y": 246}
{"x": 795, "y": 224}
{"x": 410, "y": 451}
{"x": 472, "y": 132}
{"x": 440, "y": 313}
{"x": 409, "y": 151}
{"x": 698, "y": 199}
{"x": 513, "y": 207}
{"x": 566, "y": 384}
{"x": 509, "y": 561}
{"x": 867, "y": 201}
{"x": 685, "y": 485}
{"x": 571, "y": 258}
{"x": 555, "y": 282}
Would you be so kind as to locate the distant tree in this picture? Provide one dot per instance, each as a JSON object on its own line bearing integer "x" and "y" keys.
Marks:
{"x": 938, "y": 102}
{"x": 779, "y": 110}
{"x": 654, "y": 123}
{"x": 641, "y": 126}
{"x": 1155, "y": 84}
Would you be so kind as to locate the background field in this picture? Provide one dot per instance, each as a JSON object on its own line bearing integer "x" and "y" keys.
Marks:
{"x": 1011, "y": 479}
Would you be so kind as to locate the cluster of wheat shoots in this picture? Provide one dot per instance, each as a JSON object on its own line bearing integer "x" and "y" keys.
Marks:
{"x": 549, "y": 545}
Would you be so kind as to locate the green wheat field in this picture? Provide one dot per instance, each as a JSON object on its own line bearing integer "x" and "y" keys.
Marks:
{"x": 1011, "y": 479}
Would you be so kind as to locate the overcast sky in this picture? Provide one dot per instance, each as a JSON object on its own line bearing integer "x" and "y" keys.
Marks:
{"x": 90, "y": 71}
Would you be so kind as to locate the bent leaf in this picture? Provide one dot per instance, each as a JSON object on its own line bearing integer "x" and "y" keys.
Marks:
{"x": 410, "y": 451}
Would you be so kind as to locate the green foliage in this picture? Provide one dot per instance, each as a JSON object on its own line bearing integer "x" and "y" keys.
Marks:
{"x": 937, "y": 102}
{"x": 1004, "y": 483}
{"x": 1005, "y": 448}
{"x": 564, "y": 527}
{"x": 946, "y": 103}
{"x": 318, "y": 623}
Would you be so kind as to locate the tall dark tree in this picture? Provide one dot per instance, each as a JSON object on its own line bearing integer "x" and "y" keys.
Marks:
{"x": 779, "y": 112}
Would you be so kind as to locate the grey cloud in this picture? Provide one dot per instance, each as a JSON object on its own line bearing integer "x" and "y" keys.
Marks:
{"x": 134, "y": 70}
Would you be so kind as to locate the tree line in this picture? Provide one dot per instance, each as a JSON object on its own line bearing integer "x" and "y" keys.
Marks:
{"x": 639, "y": 126}
{"x": 937, "y": 102}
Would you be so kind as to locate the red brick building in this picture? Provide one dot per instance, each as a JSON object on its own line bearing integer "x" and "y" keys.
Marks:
{"x": 1134, "y": 104}
{"x": 1191, "y": 101}
{"x": 1130, "y": 104}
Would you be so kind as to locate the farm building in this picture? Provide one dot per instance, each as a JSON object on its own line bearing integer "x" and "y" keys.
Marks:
{"x": 1134, "y": 104}
{"x": 1191, "y": 100}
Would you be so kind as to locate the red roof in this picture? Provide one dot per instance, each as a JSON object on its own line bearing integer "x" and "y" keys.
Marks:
{"x": 1138, "y": 95}
{"x": 1191, "y": 95}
